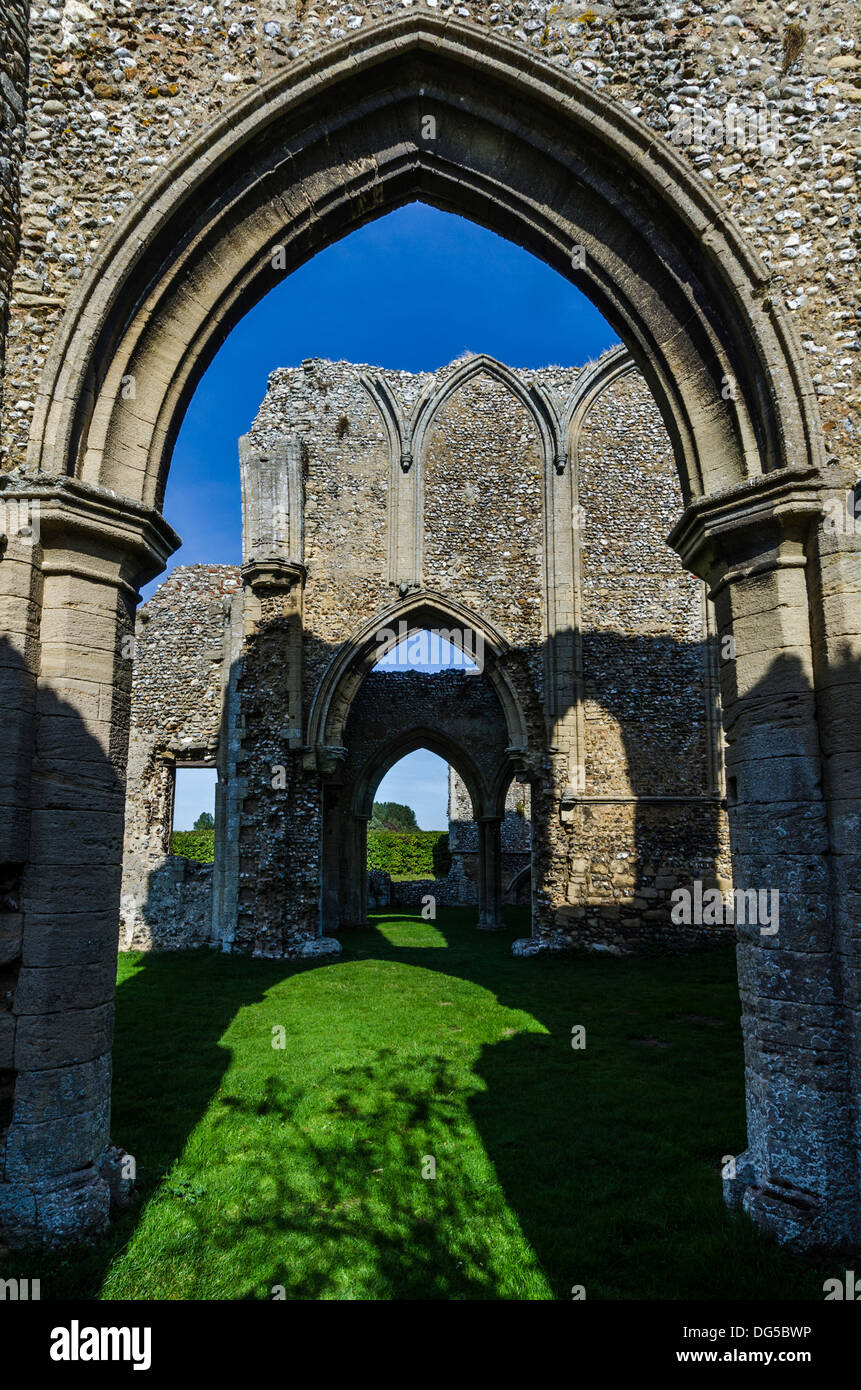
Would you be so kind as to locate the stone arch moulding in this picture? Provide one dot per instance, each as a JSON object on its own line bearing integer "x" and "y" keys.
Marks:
{"x": 436, "y": 393}
{"x": 521, "y": 147}
{"x": 344, "y": 675}
{"x": 400, "y": 746}
{"x": 529, "y": 152}
{"x": 505, "y": 775}
{"x": 596, "y": 379}
{"x": 408, "y": 430}
{"x": 408, "y": 433}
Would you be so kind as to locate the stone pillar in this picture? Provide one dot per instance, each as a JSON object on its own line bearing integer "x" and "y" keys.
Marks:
{"x": 362, "y": 853}
{"x": 835, "y": 575}
{"x": 354, "y": 873}
{"x": 798, "y": 1176}
{"x": 489, "y": 874}
{"x": 283, "y": 826}
{"x": 20, "y": 587}
{"x": 93, "y": 553}
{"x": 281, "y": 582}
{"x": 273, "y": 503}
{"x": 344, "y": 863}
{"x": 332, "y": 866}
{"x": 564, "y": 674}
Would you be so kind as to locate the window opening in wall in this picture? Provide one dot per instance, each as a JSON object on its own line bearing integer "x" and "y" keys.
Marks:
{"x": 193, "y": 833}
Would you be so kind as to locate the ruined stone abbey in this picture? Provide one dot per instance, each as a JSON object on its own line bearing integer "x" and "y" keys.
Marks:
{"x": 525, "y": 510}
{"x": 660, "y": 553}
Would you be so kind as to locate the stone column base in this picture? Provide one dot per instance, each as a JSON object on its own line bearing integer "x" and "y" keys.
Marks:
{"x": 553, "y": 943}
{"x": 55, "y": 1211}
{"x": 320, "y": 946}
{"x": 794, "y": 1218}
{"x": 59, "y": 1211}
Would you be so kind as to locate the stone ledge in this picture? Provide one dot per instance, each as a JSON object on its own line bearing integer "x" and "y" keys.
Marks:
{"x": 321, "y": 947}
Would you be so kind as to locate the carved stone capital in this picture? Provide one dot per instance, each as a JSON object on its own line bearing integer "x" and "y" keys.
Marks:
{"x": 79, "y": 529}
{"x": 526, "y": 764}
{"x": 327, "y": 759}
{"x": 269, "y": 573}
{"x": 762, "y": 525}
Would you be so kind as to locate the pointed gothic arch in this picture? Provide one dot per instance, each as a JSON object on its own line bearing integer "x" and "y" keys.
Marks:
{"x": 343, "y": 677}
{"x": 596, "y": 379}
{"x": 526, "y": 150}
{"x": 335, "y": 142}
{"x": 399, "y": 747}
{"x": 533, "y": 399}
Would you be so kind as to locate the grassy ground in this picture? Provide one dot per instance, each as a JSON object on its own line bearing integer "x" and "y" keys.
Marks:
{"x": 302, "y": 1166}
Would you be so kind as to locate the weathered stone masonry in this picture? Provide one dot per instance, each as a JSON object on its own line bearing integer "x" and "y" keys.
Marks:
{"x": 179, "y": 661}
{"x": 324, "y": 501}
{"x": 13, "y": 99}
{"x": 192, "y": 139}
{"x": 515, "y": 843}
{"x": 117, "y": 89}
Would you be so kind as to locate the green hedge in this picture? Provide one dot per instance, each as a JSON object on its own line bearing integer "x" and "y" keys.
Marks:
{"x": 194, "y": 844}
{"x": 424, "y": 853}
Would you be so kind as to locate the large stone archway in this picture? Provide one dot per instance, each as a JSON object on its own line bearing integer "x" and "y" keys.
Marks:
{"x": 371, "y": 720}
{"x": 345, "y": 822}
{"x": 530, "y": 152}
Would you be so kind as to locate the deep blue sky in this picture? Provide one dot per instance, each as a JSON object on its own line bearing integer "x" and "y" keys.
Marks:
{"x": 413, "y": 290}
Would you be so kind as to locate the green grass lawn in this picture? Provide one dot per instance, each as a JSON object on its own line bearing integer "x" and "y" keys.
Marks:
{"x": 302, "y": 1166}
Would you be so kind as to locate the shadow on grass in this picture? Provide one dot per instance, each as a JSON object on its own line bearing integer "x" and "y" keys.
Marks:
{"x": 307, "y": 1167}
{"x": 610, "y": 1156}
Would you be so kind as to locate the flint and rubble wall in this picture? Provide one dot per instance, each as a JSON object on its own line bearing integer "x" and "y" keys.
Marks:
{"x": 117, "y": 88}
{"x": 179, "y": 657}
{"x": 650, "y": 816}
